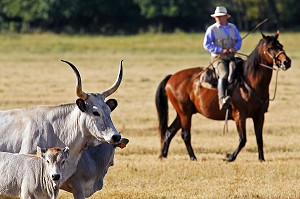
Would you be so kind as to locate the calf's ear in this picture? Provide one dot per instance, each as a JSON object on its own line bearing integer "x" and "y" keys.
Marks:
{"x": 112, "y": 103}
{"x": 40, "y": 151}
{"x": 81, "y": 104}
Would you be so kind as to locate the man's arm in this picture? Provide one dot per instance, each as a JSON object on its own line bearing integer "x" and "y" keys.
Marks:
{"x": 208, "y": 43}
{"x": 238, "y": 40}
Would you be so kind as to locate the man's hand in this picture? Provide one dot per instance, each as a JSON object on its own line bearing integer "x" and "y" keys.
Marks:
{"x": 232, "y": 50}
{"x": 227, "y": 51}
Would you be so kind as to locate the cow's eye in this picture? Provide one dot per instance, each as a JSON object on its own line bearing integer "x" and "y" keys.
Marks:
{"x": 96, "y": 113}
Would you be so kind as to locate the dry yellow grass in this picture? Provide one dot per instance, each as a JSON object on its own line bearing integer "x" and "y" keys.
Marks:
{"x": 31, "y": 74}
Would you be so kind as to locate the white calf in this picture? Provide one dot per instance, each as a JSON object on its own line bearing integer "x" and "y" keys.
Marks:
{"x": 32, "y": 176}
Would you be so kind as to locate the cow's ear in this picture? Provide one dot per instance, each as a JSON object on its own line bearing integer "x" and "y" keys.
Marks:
{"x": 81, "y": 104}
{"x": 112, "y": 103}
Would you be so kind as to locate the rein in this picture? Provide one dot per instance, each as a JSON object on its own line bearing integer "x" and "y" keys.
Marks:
{"x": 274, "y": 58}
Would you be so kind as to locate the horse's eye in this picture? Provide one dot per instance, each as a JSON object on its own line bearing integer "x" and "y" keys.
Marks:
{"x": 48, "y": 161}
{"x": 96, "y": 113}
{"x": 63, "y": 162}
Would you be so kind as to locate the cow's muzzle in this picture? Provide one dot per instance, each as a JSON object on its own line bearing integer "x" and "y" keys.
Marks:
{"x": 116, "y": 138}
{"x": 55, "y": 177}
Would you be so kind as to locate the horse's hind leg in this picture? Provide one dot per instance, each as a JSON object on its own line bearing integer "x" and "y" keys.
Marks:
{"x": 171, "y": 131}
{"x": 186, "y": 135}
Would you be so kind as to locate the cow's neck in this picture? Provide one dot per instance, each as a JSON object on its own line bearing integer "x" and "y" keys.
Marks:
{"x": 46, "y": 181}
{"x": 72, "y": 132}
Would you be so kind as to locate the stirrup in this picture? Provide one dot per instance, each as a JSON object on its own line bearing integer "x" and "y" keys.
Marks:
{"x": 224, "y": 102}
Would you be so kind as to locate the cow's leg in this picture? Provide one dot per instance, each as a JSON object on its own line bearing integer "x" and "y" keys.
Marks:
{"x": 241, "y": 128}
{"x": 258, "y": 127}
{"x": 171, "y": 131}
{"x": 24, "y": 191}
{"x": 26, "y": 195}
{"x": 28, "y": 145}
{"x": 78, "y": 195}
{"x": 77, "y": 188}
{"x": 186, "y": 134}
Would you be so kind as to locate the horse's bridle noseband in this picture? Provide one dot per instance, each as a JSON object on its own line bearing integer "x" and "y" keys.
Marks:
{"x": 275, "y": 57}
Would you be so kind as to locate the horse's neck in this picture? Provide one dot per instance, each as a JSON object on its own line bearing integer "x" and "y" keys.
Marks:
{"x": 259, "y": 76}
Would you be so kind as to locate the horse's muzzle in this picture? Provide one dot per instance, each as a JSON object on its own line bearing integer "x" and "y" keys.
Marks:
{"x": 285, "y": 64}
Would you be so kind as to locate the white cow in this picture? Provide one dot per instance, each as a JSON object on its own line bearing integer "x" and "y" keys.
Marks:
{"x": 91, "y": 169}
{"x": 73, "y": 125}
{"x": 32, "y": 176}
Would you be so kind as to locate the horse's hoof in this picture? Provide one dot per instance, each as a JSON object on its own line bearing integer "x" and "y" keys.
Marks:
{"x": 193, "y": 158}
{"x": 229, "y": 158}
{"x": 262, "y": 160}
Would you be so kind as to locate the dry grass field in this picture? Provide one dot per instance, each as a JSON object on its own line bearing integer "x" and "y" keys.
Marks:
{"x": 31, "y": 73}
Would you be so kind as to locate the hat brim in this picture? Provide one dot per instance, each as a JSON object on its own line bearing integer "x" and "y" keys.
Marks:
{"x": 220, "y": 14}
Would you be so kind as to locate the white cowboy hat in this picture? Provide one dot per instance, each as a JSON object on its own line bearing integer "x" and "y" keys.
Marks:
{"x": 220, "y": 11}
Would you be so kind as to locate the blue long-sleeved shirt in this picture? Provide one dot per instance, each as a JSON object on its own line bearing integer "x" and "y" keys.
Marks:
{"x": 208, "y": 42}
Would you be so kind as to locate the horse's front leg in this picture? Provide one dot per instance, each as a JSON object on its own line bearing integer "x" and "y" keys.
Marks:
{"x": 258, "y": 127}
{"x": 186, "y": 135}
{"x": 241, "y": 128}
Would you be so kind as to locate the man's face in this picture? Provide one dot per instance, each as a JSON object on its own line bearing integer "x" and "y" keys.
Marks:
{"x": 222, "y": 19}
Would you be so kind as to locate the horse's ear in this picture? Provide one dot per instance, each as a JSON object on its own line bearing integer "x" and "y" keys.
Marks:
{"x": 264, "y": 36}
{"x": 276, "y": 35}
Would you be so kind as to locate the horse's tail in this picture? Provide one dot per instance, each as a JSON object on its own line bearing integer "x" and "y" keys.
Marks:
{"x": 161, "y": 102}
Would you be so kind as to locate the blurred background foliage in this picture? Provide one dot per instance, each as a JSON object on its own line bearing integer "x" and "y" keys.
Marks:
{"x": 137, "y": 16}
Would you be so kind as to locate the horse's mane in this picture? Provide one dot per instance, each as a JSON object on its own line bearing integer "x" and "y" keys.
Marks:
{"x": 253, "y": 60}
{"x": 251, "y": 65}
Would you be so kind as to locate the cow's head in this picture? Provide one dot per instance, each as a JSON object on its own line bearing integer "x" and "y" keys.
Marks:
{"x": 98, "y": 121}
{"x": 54, "y": 159}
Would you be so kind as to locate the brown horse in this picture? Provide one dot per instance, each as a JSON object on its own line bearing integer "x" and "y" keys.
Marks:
{"x": 250, "y": 97}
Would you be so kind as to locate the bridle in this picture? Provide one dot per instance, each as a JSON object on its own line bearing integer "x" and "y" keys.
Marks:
{"x": 274, "y": 59}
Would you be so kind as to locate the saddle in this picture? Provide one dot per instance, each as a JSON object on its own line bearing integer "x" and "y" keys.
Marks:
{"x": 209, "y": 79}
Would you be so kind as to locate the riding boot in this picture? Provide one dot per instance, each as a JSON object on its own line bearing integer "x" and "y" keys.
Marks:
{"x": 231, "y": 68}
{"x": 224, "y": 100}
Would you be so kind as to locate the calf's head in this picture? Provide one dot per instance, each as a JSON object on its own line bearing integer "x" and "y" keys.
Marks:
{"x": 55, "y": 159}
{"x": 97, "y": 112}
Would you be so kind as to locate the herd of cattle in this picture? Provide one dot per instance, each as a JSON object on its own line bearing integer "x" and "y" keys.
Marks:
{"x": 69, "y": 146}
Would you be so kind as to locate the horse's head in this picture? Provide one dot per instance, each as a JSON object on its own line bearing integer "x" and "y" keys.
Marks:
{"x": 274, "y": 53}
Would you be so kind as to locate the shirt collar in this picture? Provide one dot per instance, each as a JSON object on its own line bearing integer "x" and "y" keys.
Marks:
{"x": 220, "y": 26}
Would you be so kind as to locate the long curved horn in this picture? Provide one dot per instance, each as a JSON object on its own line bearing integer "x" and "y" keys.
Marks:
{"x": 116, "y": 85}
{"x": 79, "y": 91}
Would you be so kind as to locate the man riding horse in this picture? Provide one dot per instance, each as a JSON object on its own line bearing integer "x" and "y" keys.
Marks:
{"x": 222, "y": 40}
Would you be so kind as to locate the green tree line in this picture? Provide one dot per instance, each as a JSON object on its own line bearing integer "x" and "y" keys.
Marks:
{"x": 135, "y": 16}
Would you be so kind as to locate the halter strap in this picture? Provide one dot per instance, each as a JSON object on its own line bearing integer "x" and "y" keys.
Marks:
{"x": 279, "y": 53}
{"x": 274, "y": 59}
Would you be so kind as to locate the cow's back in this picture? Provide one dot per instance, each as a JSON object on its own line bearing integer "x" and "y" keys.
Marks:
{"x": 22, "y": 130}
{"x": 12, "y": 125}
